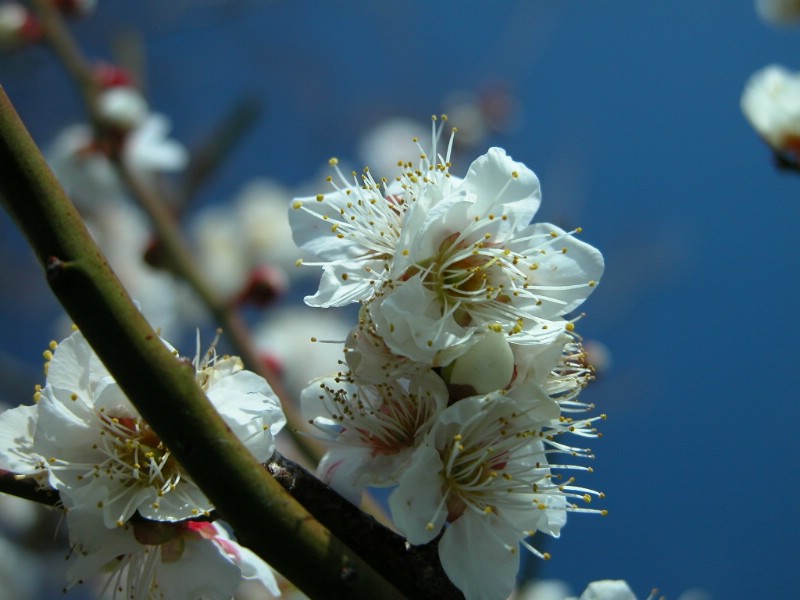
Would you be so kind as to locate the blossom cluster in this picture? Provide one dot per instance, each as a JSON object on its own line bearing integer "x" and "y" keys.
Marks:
{"x": 130, "y": 506}
{"x": 462, "y": 376}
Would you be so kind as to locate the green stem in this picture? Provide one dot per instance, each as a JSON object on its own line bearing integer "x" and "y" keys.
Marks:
{"x": 265, "y": 517}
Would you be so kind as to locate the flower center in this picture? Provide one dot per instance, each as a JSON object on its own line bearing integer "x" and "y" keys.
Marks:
{"x": 136, "y": 455}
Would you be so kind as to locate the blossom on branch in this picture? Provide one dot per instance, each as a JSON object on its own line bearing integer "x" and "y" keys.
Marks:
{"x": 464, "y": 371}
{"x": 126, "y": 496}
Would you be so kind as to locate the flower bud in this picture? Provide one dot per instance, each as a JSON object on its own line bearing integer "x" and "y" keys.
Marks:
{"x": 486, "y": 367}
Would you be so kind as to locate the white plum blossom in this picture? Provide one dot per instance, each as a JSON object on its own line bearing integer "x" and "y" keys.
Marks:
{"x": 483, "y": 475}
{"x": 463, "y": 369}
{"x": 437, "y": 259}
{"x": 151, "y": 560}
{"x": 373, "y": 427}
{"x": 771, "y": 102}
{"x": 101, "y": 456}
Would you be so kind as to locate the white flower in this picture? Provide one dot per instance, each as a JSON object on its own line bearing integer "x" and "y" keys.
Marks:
{"x": 146, "y": 560}
{"x": 17, "y": 26}
{"x": 103, "y": 457}
{"x": 483, "y": 472}
{"x": 438, "y": 259}
{"x": 771, "y": 102}
{"x": 779, "y": 12}
{"x": 374, "y": 427}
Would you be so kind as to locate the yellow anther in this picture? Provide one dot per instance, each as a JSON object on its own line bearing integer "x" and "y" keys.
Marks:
{"x": 297, "y": 205}
{"x": 333, "y": 161}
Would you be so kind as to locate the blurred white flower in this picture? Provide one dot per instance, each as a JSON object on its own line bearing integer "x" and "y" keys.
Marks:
{"x": 236, "y": 242}
{"x": 89, "y": 177}
{"x": 300, "y": 344}
{"x": 608, "y": 589}
{"x": 382, "y": 144}
{"x": 771, "y": 102}
{"x": 122, "y": 106}
{"x": 779, "y": 12}
{"x": 17, "y": 26}
{"x": 123, "y": 232}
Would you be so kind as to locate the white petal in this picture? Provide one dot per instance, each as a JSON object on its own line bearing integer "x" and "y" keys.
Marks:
{"x": 416, "y": 503}
{"x": 16, "y": 439}
{"x": 342, "y": 284}
{"x": 203, "y": 571}
{"x": 490, "y": 179}
{"x": 481, "y": 561}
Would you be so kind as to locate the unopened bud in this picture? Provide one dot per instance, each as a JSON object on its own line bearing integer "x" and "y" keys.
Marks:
{"x": 486, "y": 367}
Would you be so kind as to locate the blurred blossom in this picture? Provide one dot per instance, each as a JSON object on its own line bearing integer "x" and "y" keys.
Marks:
{"x": 463, "y": 109}
{"x": 771, "y": 102}
{"x": 779, "y": 12}
{"x": 17, "y": 26}
{"x": 382, "y": 144}
{"x": 122, "y": 106}
{"x": 598, "y": 355}
{"x": 89, "y": 177}
{"x": 234, "y": 242}
{"x": 608, "y": 589}
{"x": 301, "y": 343}
{"x": 123, "y": 233}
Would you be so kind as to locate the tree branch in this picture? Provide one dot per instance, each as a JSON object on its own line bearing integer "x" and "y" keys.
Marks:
{"x": 265, "y": 517}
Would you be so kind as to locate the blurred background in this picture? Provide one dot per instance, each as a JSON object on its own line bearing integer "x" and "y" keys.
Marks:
{"x": 628, "y": 111}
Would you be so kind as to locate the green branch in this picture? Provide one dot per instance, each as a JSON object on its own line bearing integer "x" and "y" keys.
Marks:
{"x": 265, "y": 517}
